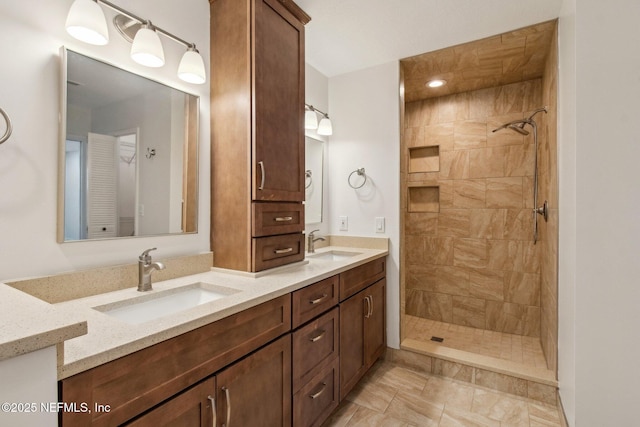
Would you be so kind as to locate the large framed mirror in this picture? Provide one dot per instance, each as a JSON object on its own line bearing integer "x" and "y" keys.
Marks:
{"x": 128, "y": 154}
{"x": 314, "y": 154}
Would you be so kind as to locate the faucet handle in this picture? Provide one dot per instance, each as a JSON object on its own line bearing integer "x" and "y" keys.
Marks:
{"x": 311, "y": 232}
{"x": 145, "y": 255}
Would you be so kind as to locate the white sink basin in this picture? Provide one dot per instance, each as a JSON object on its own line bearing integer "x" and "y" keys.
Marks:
{"x": 164, "y": 303}
{"x": 333, "y": 255}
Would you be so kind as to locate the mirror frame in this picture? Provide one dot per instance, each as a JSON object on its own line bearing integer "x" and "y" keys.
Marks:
{"x": 193, "y": 156}
{"x": 314, "y": 177}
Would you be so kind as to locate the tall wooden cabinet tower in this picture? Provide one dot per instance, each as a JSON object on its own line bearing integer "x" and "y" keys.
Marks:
{"x": 257, "y": 133}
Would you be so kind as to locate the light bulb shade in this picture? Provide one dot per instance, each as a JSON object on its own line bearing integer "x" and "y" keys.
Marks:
{"x": 147, "y": 49}
{"x": 86, "y": 22}
{"x": 191, "y": 68}
{"x": 325, "y": 128}
{"x": 310, "y": 120}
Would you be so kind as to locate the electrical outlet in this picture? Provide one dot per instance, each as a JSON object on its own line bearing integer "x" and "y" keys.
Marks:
{"x": 379, "y": 224}
{"x": 344, "y": 223}
{"x": 141, "y": 209}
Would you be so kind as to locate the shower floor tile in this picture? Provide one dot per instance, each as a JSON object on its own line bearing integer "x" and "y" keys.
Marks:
{"x": 526, "y": 351}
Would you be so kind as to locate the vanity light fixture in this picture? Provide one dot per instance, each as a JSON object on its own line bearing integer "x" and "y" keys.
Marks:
{"x": 86, "y": 22}
{"x": 436, "y": 83}
{"x": 311, "y": 120}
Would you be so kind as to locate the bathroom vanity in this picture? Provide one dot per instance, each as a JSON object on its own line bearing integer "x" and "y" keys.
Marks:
{"x": 281, "y": 349}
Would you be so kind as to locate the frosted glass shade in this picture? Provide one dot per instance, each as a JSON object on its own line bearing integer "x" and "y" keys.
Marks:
{"x": 325, "y": 128}
{"x": 147, "y": 49}
{"x": 191, "y": 68}
{"x": 86, "y": 22}
{"x": 310, "y": 120}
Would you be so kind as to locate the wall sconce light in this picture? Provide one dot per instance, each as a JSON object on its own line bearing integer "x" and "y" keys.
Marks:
{"x": 311, "y": 120}
{"x": 86, "y": 22}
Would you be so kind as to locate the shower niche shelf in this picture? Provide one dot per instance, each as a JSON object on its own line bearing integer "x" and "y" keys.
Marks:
{"x": 423, "y": 199}
{"x": 424, "y": 159}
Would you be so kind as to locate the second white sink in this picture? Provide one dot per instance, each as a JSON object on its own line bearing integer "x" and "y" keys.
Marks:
{"x": 333, "y": 255}
{"x": 153, "y": 306}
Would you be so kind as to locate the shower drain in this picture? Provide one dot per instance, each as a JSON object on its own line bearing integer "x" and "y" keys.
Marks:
{"x": 437, "y": 339}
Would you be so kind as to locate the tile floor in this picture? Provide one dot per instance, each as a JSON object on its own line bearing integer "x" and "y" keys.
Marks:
{"x": 393, "y": 395}
{"x": 514, "y": 348}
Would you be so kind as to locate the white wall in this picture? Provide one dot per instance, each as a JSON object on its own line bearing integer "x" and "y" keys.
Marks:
{"x": 366, "y": 133}
{"x": 599, "y": 300}
{"x": 31, "y": 34}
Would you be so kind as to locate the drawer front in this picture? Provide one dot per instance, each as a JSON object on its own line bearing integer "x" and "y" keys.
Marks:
{"x": 354, "y": 280}
{"x": 314, "y": 345}
{"x": 314, "y": 300}
{"x": 314, "y": 402}
{"x": 134, "y": 383}
{"x": 269, "y": 252}
{"x": 270, "y": 219}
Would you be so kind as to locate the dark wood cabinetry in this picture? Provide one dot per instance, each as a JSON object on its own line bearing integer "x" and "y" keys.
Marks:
{"x": 362, "y": 326}
{"x": 290, "y": 360}
{"x": 257, "y": 135}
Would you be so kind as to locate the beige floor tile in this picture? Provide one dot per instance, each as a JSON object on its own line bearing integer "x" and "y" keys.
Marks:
{"x": 542, "y": 414}
{"x": 500, "y": 407}
{"x": 414, "y": 410}
{"x": 401, "y": 378}
{"x": 458, "y": 418}
{"x": 372, "y": 395}
{"x": 367, "y": 418}
{"x": 453, "y": 394}
{"x": 341, "y": 415}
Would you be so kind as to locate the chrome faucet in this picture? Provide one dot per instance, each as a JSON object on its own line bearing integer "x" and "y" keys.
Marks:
{"x": 145, "y": 268}
{"x": 311, "y": 241}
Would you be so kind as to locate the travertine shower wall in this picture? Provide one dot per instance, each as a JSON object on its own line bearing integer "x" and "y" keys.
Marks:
{"x": 548, "y": 190}
{"x": 468, "y": 194}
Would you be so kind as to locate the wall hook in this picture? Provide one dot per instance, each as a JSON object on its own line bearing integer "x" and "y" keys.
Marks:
{"x": 150, "y": 153}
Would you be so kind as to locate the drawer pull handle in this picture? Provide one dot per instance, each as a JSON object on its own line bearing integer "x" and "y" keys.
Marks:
{"x": 226, "y": 392}
{"x": 318, "y": 300}
{"x": 283, "y": 218}
{"x": 316, "y": 395}
{"x": 283, "y": 251}
{"x": 318, "y": 337}
{"x": 261, "y": 187}
{"x": 213, "y": 410}
{"x": 368, "y": 300}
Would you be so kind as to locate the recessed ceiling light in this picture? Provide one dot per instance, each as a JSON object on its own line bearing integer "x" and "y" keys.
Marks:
{"x": 436, "y": 83}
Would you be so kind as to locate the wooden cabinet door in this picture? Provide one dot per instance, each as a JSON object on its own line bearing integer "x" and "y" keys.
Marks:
{"x": 352, "y": 357}
{"x": 278, "y": 102}
{"x": 191, "y": 408}
{"x": 256, "y": 391}
{"x": 375, "y": 323}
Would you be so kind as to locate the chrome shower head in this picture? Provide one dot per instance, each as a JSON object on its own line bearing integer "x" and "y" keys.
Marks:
{"x": 520, "y": 129}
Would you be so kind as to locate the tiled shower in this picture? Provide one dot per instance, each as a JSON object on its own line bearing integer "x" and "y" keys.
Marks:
{"x": 468, "y": 253}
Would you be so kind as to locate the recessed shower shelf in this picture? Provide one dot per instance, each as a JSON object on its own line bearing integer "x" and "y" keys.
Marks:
{"x": 424, "y": 199}
{"x": 424, "y": 159}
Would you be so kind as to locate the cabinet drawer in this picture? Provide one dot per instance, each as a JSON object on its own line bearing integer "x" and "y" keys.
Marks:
{"x": 358, "y": 278}
{"x": 277, "y": 218}
{"x": 315, "y": 344}
{"x": 269, "y": 252}
{"x": 313, "y": 300}
{"x": 134, "y": 383}
{"x": 314, "y": 402}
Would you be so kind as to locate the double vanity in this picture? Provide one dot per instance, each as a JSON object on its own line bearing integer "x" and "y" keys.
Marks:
{"x": 218, "y": 348}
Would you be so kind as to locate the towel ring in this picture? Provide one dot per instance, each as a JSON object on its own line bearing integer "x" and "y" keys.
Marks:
{"x": 7, "y": 134}
{"x": 360, "y": 172}
{"x": 307, "y": 176}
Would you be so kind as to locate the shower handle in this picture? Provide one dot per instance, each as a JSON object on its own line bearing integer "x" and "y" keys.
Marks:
{"x": 543, "y": 210}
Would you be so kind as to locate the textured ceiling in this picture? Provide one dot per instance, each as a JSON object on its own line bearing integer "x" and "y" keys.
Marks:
{"x": 495, "y": 61}
{"x": 349, "y": 35}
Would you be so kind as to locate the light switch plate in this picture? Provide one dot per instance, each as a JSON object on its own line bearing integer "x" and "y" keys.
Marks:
{"x": 344, "y": 223}
{"x": 379, "y": 224}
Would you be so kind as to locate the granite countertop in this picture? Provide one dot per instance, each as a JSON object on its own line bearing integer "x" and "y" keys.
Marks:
{"x": 28, "y": 324}
{"x": 109, "y": 338}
